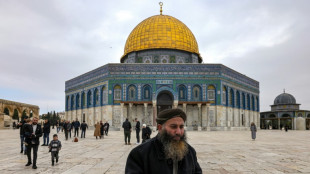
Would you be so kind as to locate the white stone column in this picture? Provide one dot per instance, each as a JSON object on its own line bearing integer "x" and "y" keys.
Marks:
{"x": 184, "y": 110}
{"x": 154, "y": 113}
{"x": 146, "y": 118}
{"x": 199, "y": 116}
{"x": 129, "y": 115}
{"x": 175, "y": 104}
{"x": 208, "y": 116}
{"x": 122, "y": 113}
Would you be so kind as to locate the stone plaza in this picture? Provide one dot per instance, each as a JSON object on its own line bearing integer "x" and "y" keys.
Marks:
{"x": 221, "y": 152}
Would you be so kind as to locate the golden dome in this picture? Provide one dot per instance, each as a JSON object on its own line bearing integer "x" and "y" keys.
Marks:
{"x": 161, "y": 31}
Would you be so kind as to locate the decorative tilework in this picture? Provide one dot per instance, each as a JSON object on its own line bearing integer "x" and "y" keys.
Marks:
{"x": 180, "y": 59}
{"x": 189, "y": 92}
{"x": 124, "y": 91}
{"x": 204, "y": 86}
{"x": 164, "y": 59}
{"x": 147, "y": 59}
{"x": 139, "y": 91}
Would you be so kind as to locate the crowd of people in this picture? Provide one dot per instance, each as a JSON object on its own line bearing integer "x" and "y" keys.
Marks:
{"x": 170, "y": 142}
{"x": 31, "y": 131}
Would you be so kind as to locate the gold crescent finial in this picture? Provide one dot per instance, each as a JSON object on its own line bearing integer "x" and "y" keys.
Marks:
{"x": 161, "y": 9}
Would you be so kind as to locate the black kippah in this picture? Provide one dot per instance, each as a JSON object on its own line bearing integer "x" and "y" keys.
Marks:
{"x": 167, "y": 114}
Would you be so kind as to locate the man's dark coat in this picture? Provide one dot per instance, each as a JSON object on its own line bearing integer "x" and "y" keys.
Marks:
{"x": 149, "y": 158}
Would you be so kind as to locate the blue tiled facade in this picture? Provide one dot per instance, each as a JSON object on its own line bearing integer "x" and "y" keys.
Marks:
{"x": 239, "y": 88}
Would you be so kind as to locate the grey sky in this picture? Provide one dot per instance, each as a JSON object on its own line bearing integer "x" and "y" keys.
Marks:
{"x": 45, "y": 43}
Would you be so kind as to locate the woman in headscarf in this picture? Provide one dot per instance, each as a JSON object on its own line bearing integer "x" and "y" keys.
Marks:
{"x": 253, "y": 131}
{"x": 97, "y": 130}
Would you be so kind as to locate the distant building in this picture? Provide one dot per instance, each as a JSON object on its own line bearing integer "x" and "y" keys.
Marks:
{"x": 285, "y": 112}
{"x": 9, "y": 107}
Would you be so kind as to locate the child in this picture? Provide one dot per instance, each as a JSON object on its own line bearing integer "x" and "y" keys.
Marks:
{"x": 54, "y": 146}
{"x": 28, "y": 130}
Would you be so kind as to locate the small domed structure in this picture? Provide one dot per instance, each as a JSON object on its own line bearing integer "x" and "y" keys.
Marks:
{"x": 285, "y": 112}
{"x": 284, "y": 98}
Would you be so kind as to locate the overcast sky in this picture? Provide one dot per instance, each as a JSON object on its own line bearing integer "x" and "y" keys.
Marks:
{"x": 45, "y": 43}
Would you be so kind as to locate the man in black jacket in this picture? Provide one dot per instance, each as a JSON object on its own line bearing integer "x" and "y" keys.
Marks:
{"x": 168, "y": 152}
{"x": 106, "y": 126}
{"x": 33, "y": 140}
{"x": 76, "y": 128}
{"x": 46, "y": 133}
{"x": 21, "y": 134}
{"x": 127, "y": 131}
{"x": 83, "y": 128}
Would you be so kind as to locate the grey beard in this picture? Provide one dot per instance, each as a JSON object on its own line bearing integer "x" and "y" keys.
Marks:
{"x": 176, "y": 150}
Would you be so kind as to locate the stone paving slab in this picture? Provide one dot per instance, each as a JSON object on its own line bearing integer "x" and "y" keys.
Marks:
{"x": 273, "y": 152}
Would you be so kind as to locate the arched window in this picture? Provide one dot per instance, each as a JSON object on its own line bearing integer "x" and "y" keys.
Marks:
{"x": 77, "y": 101}
{"x": 248, "y": 102}
{"x": 131, "y": 93}
{"x": 67, "y": 103}
{"x": 238, "y": 99}
{"x": 146, "y": 92}
{"x": 104, "y": 95}
{"x": 15, "y": 115}
{"x": 83, "y": 100}
{"x": 6, "y": 111}
{"x": 243, "y": 101}
{"x": 96, "y": 97}
{"x": 211, "y": 93}
{"x": 224, "y": 96}
{"x": 257, "y": 104}
{"x": 89, "y": 98}
{"x": 253, "y": 104}
{"x": 196, "y": 93}
{"x": 72, "y": 102}
{"x": 182, "y": 92}
{"x": 231, "y": 98}
{"x": 117, "y": 92}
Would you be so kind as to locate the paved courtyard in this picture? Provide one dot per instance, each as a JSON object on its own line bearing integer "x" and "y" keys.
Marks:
{"x": 218, "y": 152}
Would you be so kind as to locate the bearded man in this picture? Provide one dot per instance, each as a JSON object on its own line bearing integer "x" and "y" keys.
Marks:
{"x": 168, "y": 152}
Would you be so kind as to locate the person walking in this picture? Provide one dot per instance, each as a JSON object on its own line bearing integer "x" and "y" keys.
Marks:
{"x": 76, "y": 128}
{"x": 168, "y": 152}
{"x": 137, "y": 130}
{"x": 62, "y": 122}
{"x": 67, "y": 129}
{"x": 127, "y": 131}
{"x": 84, "y": 126}
{"x": 20, "y": 126}
{"x": 58, "y": 126}
{"x": 55, "y": 147}
{"x": 286, "y": 128}
{"x": 146, "y": 133}
{"x": 101, "y": 130}
{"x": 14, "y": 125}
{"x": 106, "y": 128}
{"x": 46, "y": 132}
{"x": 97, "y": 130}
{"x": 253, "y": 131}
{"x": 33, "y": 140}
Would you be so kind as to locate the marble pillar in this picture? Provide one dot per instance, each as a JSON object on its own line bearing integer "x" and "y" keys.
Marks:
{"x": 154, "y": 113}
